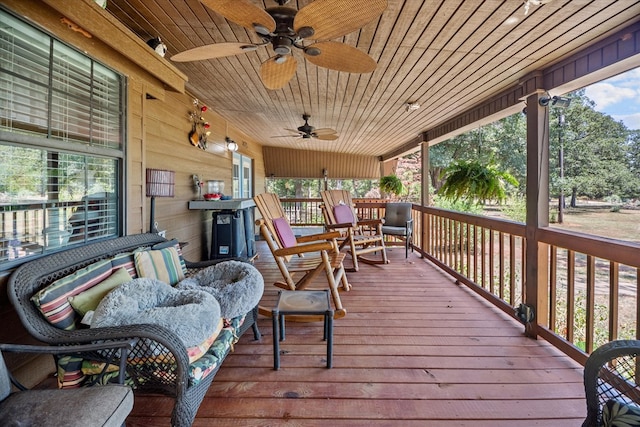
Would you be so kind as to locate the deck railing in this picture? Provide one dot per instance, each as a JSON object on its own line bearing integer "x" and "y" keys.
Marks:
{"x": 592, "y": 289}
{"x": 32, "y": 229}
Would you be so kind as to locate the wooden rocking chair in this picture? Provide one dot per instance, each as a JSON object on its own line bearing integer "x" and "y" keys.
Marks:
{"x": 363, "y": 236}
{"x": 289, "y": 253}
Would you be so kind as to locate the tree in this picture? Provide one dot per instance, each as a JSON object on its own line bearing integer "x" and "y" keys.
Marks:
{"x": 598, "y": 153}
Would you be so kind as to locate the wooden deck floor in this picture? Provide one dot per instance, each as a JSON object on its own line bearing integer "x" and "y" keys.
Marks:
{"x": 414, "y": 349}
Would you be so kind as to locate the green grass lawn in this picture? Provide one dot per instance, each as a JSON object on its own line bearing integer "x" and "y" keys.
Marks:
{"x": 601, "y": 221}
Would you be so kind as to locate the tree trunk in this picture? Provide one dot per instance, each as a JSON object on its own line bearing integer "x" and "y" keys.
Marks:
{"x": 574, "y": 197}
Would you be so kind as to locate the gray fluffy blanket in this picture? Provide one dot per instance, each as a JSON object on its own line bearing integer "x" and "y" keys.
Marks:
{"x": 238, "y": 286}
{"x": 192, "y": 314}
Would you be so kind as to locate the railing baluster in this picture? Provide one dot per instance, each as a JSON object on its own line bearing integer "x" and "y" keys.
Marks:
{"x": 590, "y": 303}
{"x": 571, "y": 298}
{"x": 553, "y": 286}
{"x": 614, "y": 280}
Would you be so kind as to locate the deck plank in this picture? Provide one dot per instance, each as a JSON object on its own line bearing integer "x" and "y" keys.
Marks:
{"x": 414, "y": 349}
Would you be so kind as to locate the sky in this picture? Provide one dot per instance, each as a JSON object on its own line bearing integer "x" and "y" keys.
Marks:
{"x": 619, "y": 97}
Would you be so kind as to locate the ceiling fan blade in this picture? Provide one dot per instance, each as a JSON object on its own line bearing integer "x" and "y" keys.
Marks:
{"x": 329, "y": 137}
{"x": 331, "y": 19}
{"x": 276, "y": 75}
{"x": 215, "y": 50}
{"x": 341, "y": 57}
{"x": 242, "y": 12}
{"x": 287, "y": 136}
{"x": 325, "y": 131}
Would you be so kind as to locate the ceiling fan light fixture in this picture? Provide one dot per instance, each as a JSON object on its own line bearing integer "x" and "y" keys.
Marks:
{"x": 261, "y": 29}
{"x": 312, "y": 51}
{"x": 306, "y": 32}
{"x": 280, "y": 59}
{"x": 411, "y": 106}
{"x": 282, "y": 45}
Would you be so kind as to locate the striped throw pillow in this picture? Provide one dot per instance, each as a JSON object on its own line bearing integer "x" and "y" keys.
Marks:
{"x": 163, "y": 264}
{"x": 53, "y": 301}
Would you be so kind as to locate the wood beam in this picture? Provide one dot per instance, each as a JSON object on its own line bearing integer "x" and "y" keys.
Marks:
{"x": 536, "y": 272}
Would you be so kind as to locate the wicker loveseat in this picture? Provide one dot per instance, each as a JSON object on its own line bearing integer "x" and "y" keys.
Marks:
{"x": 168, "y": 370}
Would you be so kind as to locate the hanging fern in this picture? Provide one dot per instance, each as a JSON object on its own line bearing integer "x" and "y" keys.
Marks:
{"x": 471, "y": 180}
{"x": 391, "y": 184}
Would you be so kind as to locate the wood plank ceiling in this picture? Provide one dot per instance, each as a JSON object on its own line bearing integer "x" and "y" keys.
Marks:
{"x": 446, "y": 55}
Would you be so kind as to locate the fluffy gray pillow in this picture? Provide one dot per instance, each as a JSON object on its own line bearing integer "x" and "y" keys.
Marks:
{"x": 238, "y": 286}
{"x": 192, "y": 314}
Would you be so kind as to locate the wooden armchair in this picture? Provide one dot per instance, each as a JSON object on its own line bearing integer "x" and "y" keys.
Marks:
{"x": 363, "y": 236}
{"x": 290, "y": 253}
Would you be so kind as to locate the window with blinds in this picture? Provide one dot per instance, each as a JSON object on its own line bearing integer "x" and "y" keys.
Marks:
{"x": 61, "y": 144}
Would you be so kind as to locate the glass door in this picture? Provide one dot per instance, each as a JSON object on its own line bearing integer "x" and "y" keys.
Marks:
{"x": 242, "y": 176}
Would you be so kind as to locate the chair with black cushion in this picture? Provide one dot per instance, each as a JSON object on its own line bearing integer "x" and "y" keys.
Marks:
{"x": 611, "y": 385}
{"x": 399, "y": 224}
{"x": 100, "y": 405}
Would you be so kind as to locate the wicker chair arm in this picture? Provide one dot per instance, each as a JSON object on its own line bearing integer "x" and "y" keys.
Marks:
{"x": 79, "y": 348}
{"x": 599, "y": 358}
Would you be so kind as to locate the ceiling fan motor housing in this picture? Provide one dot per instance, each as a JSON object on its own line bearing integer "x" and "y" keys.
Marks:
{"x": 284, "y": 36}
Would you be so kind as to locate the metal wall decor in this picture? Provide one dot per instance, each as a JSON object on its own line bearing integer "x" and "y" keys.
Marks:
{"x": 199, "y": 126}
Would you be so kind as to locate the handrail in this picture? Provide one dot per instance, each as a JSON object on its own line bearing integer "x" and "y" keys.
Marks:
{"x": 593, "y": 281}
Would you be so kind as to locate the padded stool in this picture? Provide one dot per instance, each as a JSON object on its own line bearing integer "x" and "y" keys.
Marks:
{"x": 301, "y": 303}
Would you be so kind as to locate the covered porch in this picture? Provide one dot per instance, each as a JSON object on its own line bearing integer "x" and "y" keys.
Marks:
{"x": 430, "y": 340}
{"x": 414, "y": 349}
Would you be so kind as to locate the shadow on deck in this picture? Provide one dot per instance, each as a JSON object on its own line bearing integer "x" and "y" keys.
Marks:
{"x": 414, "y": 349}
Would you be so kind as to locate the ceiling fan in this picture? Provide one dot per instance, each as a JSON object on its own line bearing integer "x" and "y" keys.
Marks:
{"x": 286, "y": 28}
{"x": 306, "y": 131}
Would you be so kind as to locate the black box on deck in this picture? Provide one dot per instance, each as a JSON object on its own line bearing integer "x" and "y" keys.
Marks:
{"x": 232, "y": 234}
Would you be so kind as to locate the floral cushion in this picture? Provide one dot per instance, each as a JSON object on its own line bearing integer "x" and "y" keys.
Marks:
{"x": 617, "y": 414}
{"x": 75, "y": 372}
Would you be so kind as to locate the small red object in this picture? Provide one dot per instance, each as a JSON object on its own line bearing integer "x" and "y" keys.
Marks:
{"x": 207, "y": 125}
{"x": 203, "y": 108}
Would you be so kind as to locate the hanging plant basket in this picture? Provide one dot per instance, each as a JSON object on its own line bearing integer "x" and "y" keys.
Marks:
{"x": 391, "y": 184}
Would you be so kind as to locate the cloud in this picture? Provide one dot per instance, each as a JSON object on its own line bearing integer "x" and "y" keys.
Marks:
{"x": 631, "y": 121}
{"x": 630, "y": 78}
{"x": 605, "y": 94}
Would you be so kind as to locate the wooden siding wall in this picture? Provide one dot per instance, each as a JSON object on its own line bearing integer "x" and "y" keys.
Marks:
{"x": 287, "y": 163}
{"x": 157, "y": 137}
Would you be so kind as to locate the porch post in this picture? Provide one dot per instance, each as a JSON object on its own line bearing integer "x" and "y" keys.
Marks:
{"x": 424, "y": 197}
{"x": 536, "y": 273}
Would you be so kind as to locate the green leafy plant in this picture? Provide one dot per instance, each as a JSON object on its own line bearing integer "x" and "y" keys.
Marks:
{"x": 472, "y": 180}
{"x": 391, "y": 184}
